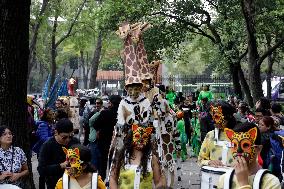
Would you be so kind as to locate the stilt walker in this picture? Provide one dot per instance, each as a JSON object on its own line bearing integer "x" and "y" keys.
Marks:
{"x": 135, "y": 108}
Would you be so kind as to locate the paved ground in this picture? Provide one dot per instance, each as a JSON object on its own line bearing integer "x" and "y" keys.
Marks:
{"x": 190, "y": 174}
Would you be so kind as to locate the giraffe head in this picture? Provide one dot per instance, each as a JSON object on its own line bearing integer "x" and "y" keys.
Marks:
{"x": 123, "y": 30}
{"x": 137, "y": 29}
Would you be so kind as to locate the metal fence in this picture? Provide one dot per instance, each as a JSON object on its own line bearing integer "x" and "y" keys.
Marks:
{"x": 220, "y": 86}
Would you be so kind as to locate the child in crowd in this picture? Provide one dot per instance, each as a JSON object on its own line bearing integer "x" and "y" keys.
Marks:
{"x": 79, "y": 174}
{"x": 195, "y": 140}
{"x": 247, "y": 173}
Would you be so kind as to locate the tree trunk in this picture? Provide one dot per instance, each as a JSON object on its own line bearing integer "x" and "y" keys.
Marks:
{"x": 14, "y": 54}
{"x": 95, "y": 62}
{"x": 34, "y": 36}
{"x": 253, "y": 66}
{"x": 236, "y": 81}
{"x": 269, "y": 67}
{"x": 85, "y": 75}
{"x": 244, "y": 84}
{"x": 53, "y": 52}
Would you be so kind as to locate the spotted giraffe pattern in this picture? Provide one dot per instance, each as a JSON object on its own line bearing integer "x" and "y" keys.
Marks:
{"x": 153, "y": 69}
{"x": 142, "y": 59}
{"x": 243, "y": 143}
{"x": 132, "y": 68}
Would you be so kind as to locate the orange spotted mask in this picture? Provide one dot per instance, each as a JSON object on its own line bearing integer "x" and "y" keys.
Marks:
{"x": 141, "y": 136}
{"x": 243, "y": 143}
{"x": 218, "y": 116}
{"x": 75, "y": 164}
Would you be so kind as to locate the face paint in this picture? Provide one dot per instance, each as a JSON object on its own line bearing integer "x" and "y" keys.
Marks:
{"x": 218, "y": 116}
{"x": 243, "y": 143}
{"x": 141, "y": 136}
{"x": 73, "y": 157}
{"x": 134, "y": 91}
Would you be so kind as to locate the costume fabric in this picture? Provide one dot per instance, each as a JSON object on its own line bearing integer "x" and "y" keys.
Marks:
{"x": 210, "y": 151}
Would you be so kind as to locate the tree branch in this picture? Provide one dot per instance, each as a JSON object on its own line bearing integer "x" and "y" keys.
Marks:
{"x": 270, "y": 51}
{"x": 188, "y": 23}
{"x": 72, "y": 25}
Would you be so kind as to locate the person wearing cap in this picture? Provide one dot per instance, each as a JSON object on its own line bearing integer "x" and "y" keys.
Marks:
{"x": 52, "y": 160}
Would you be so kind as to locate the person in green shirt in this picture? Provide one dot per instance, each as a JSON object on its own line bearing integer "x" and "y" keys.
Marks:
{"x": 182, "y": 136}
{"x": 171, "y": 96}
{"x": 205, "y": 93}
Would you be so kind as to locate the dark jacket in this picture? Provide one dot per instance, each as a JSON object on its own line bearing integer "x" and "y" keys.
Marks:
{"x": 50, "y": 157}
{"x": 104, "y": 125}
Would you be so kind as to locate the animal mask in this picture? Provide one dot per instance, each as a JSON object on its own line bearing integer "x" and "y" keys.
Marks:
{"x": 218, "y": 116}
{"x": 243, "y": 143}
{"x": 141, "y": 135}
{"x": 73, "y": 157}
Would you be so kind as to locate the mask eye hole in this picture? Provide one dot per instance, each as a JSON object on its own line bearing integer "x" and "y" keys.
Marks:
{"x": 235, "y": 145}
{"x": 246, "y": 145}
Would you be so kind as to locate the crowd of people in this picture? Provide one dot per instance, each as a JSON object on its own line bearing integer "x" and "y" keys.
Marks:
{"x": 139, "y": 140}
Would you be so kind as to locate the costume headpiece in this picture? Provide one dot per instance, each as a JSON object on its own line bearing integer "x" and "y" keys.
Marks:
{"x": 141, "y": 135}
{"x": 141, "y": 54}
{"x": 73, "y": 157}
{"x": 217, "y": 116}
{"x": 243, "y": 143}
{"x": 132, "y": 67}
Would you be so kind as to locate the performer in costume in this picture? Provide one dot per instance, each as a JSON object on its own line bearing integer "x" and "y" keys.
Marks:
{"x": 183, "y": 137}
{"x": 247, "y": 173}
{"x": 136, "y": 166}
{"x": 196, "y": 135}
{"x": 135, "y": 108}
{"x": 79, "y": 174}
{"x": 215, "y": 147}
{"x": 205, "y": 93}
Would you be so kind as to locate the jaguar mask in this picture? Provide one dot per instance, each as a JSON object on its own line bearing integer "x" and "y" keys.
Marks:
{"x": 75, "y": 168}
{"x": 243, "y": 143}
{"x": 141, "y": 136}
{"x": 218, "y": 116}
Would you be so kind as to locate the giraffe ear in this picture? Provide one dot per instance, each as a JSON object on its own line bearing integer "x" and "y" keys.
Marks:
{"x": 134, "y": 127}
{"x": 253, "y": 133}
{"x": 229, "y": 133}
{"x": 65, "y": 150}
{"x": 76, "y": 150}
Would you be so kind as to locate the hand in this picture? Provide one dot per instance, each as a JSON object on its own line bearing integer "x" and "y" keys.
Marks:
{"x": 215, "y": 163}
{"x": 15, "y": 176}
{"x": 5, "y": 175}
{"x": 64, "y": 164}
{"x": 241, "y": 171}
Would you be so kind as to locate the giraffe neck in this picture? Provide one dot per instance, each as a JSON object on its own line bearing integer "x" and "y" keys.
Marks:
{"x": 130, "y": 59}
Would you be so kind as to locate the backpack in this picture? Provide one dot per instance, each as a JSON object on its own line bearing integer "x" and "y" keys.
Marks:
{"x": 229, "y": 175}
{"x": 66, "y": 180}
{"x": 275, "y": 154}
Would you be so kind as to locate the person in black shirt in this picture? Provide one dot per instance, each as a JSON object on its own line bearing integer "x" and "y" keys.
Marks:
{"x": 52, "y": 160}
{"x": 186, "y": 107}
{"x": 104, "y": 125}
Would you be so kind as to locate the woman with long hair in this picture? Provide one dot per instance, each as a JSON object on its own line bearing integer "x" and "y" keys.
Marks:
{"x": 136, "y": 165}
